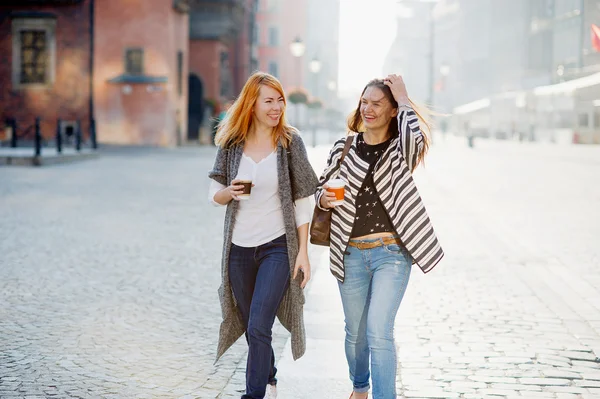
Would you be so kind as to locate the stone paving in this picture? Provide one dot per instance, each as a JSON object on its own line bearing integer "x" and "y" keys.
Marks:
{"x": 109, "y": 270}
{"x": 513, "y": 310}
{"x": 108, "y": 278}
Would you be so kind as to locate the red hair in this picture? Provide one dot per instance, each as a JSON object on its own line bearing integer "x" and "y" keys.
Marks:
{"x": 234, "y": 128}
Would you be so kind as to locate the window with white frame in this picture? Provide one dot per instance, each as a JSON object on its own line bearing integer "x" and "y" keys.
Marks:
{"x": 34, "y": 52}
{"x": 273, "y": 36}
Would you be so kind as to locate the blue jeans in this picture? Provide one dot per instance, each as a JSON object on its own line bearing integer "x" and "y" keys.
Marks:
{"x": 259, "y": 277}
{"x": 374, "y": 284}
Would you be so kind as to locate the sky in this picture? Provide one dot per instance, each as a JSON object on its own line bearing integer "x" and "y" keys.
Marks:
{"x": 367, "y": 29}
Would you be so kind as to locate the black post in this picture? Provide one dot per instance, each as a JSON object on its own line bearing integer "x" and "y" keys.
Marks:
{"x": 93, "y": 134}
{"x": 58, "y": 137}
{"x": 38, "y": 138}
{"x": 78, "y": 136}
{"x": 13, "y": 138}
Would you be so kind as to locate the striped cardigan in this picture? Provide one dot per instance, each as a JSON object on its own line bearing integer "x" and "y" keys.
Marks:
{"x": 397, "y": 191}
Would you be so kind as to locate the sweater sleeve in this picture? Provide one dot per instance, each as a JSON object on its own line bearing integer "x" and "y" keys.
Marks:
{"x": 303, "y": 211}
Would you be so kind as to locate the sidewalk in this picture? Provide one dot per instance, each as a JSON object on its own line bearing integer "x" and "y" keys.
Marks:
{"x": 25, "y": 156}
{"x": 322, "y": 372}
{"x": 506, "y": 314}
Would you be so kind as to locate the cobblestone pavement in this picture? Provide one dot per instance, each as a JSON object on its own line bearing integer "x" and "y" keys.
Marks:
{"x": 109, "y": 270}
{"x": 513, "y": 310}
{"x": 108, "y": 277}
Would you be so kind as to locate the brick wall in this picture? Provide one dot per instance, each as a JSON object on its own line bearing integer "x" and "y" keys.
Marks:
{"x": 204, "y": 62}
{"x": 141, "y": 113}
{"x": 68, "y": 98}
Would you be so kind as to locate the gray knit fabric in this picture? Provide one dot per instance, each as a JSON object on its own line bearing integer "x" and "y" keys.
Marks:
{"x": 290, "y": 312}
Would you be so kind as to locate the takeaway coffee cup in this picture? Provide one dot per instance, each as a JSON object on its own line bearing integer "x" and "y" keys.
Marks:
{"x": 247, "y": 183}
{"x": 337, "y": 186}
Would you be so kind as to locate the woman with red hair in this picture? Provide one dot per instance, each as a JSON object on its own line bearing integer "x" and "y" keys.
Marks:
{"x": 265, "y": 259}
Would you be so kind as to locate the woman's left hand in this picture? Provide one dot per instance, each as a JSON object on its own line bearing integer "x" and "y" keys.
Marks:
{"x": 302, "y": 265}
{"x": 398, "y": 88}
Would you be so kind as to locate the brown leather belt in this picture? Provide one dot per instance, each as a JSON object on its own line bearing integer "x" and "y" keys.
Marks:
{"x": 374, "y": 244}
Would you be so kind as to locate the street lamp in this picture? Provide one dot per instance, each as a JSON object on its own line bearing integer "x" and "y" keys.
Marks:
{"x": 444, "y": 70}
{"x": 315, "y": 67}
{"x": 297, "y": 48}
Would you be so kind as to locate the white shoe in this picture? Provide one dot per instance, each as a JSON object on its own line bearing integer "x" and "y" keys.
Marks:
{"x": 271, "y": 392}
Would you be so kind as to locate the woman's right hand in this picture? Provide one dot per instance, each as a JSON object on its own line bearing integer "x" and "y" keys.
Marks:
{"x": 235, "y": 189}
{"x": 327, "y": 198}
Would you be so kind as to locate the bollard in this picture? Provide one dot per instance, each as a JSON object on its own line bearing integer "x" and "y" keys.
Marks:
{"x": 13, "y": 137}
{"x": 58, "y": 137}
{"x": 471, "y": 141}
{"x": 93, "y": 134}
{"x": 78, "y": 136}
{"x": 38, "y": 138}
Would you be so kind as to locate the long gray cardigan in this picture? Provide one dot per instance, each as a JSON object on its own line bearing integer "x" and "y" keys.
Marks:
{"x": 293, "y": 162}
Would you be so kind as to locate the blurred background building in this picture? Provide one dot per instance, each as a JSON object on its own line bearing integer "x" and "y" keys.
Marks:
{"x": 162, "y": 72}
{"x": 156, "y": 72}
{"x": 504, "y": 68}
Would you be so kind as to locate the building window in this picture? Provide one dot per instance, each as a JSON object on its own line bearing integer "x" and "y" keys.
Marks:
{"x": 254, "y": 33}
{"x": 226, "y": 78}
{"x": 34, "y": 59}
{"x": 180, "y": 73}
{"x": 273, "y": 69}
{"x": 273, "y": 36}
{"x": 134, "y": 61}
{"x": 584, "y": 120}
{"x": 597, "y": 119}
{"x": 34, "y": 52}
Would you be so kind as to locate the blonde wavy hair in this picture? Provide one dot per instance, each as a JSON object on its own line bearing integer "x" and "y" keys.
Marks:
{"x": 237, "y": 123}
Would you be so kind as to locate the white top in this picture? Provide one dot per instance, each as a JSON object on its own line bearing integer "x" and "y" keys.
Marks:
{"x": 260, "y": 217}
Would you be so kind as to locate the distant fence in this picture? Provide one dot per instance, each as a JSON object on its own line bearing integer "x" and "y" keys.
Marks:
{"x": 16, "y": 136}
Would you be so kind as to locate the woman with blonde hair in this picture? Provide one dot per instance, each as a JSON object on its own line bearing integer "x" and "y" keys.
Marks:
{"x": 379, "y": 230}
{"x": 265, "y": 260}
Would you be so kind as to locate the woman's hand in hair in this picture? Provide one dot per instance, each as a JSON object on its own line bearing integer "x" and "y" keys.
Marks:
{"x": 327, "y": 198}
{"x": 398, "y": 88}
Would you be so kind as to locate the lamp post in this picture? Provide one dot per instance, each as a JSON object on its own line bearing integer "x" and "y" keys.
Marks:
{"x": 297, "y": 48}
{"x": 444, "y": 72}
{"x": 331, "y": 99}
{"x": 315, "y": 67}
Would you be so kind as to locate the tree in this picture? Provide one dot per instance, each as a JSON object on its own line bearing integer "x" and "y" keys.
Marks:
{"x": 298, "y": 96}
{"x": 315, "y": 104}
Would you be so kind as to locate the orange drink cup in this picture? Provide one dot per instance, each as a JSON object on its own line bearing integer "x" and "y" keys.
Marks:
{"x": 337, "y": 187}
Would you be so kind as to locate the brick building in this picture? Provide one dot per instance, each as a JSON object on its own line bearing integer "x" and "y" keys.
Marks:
{"x": 121, "y": 63}
{"x": 223, "y": 54}
{"x": 45, "y": 63}
{"x": 140, "y": 71}
{"x": 147, "y": 72}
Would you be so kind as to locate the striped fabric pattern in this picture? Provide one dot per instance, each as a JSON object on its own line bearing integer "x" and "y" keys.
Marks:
{"x": 396, "y": 189}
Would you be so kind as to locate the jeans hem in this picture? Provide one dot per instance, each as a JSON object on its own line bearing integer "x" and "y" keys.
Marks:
{"x": 362, "y": 389}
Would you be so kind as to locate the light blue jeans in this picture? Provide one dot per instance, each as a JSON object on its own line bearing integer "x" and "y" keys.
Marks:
{"x": 374, "y": 284}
